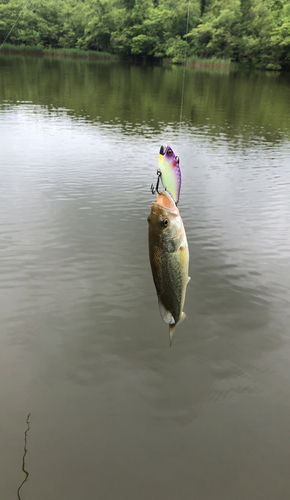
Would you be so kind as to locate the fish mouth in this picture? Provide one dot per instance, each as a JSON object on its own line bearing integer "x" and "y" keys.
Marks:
{"x": 165, "y": 201}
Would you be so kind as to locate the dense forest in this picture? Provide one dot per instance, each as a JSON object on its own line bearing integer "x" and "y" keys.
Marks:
{"x": 255, "y": 32}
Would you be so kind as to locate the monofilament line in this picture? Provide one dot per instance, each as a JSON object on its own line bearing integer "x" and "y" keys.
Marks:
{"x": 183, "y": 78}
{"x": 27, "y": 1}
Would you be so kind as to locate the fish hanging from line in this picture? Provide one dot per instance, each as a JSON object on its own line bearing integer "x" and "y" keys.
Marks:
{"x": 169, "y": 259}
{"x": 169, "y": 172}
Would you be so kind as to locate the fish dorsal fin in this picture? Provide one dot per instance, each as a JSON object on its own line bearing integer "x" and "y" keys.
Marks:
{"x": 165, "y": 315}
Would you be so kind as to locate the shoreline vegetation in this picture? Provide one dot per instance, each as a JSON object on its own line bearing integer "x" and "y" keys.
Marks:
{"x": 193, "y": 61}
{"x": 219, "y": 33}
{"x": 48, "y": 51}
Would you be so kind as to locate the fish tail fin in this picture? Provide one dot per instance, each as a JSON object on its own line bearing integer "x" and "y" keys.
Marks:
{"x": 172, "y": 327}
{"x": 171, "y": 332}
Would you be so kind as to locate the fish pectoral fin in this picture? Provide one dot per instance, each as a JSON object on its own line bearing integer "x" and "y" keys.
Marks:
{"x": 188, "y": 279}
{"x": 165, "y": 315}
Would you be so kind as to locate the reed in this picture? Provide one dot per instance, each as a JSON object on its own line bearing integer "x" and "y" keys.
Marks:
{"x": 48, "y": 51}
{"x": 212, "y": 62}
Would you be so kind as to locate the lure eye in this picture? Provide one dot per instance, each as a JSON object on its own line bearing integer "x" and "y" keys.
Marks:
{"x": 164, "y": 222}
{"x": 169, "y": 152}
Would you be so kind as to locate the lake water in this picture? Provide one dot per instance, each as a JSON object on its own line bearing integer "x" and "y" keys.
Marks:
{"x": 115, "y": 413}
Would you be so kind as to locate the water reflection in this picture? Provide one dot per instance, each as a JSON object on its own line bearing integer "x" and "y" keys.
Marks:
{"x": 240, "y": 105}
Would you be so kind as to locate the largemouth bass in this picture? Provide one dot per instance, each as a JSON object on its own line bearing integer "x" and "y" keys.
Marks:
{"x": 169, "y": 259}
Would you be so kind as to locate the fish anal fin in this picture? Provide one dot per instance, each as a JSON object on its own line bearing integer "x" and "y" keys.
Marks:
{"x": 182, "y": 318}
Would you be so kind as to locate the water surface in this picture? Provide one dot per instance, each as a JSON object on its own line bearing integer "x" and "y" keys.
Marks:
{"x": 115, "y": 412}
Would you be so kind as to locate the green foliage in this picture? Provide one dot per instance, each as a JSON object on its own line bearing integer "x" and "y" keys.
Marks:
{"x": 253, "y": 32}
{"x": 175, "y": 49}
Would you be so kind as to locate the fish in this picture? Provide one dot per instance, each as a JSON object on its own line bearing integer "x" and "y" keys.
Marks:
{"x": 169, "y": 259}
{"x": 169, "y": 171}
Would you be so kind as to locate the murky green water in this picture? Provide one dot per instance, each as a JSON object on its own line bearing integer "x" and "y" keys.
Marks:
{"x": 115, "y": 412}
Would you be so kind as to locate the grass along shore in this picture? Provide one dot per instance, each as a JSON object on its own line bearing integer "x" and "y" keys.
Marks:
{"x": 213, "y": 62}
{"x": 192, "y": 61}
{"x": 8, "y": 48}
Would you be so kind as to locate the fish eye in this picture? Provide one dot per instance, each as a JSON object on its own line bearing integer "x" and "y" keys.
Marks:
{"x": 164, "y": 222}
{"x": 169, "y": 152}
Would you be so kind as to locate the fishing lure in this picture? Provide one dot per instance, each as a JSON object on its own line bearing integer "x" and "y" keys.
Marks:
{"x": 169, "y": 173}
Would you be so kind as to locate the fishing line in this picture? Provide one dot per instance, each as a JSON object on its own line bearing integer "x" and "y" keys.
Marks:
{"x": 183, "y": 78}
{"x": 27, "y": 1}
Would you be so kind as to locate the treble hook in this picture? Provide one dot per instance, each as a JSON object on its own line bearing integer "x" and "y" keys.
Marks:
{"x": 155, "y": 189}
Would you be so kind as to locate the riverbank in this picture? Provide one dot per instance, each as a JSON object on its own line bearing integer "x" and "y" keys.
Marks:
{"x": 192, "y": 61}
{"x": 39, "y": 51}
{"x": 213, "y": 62}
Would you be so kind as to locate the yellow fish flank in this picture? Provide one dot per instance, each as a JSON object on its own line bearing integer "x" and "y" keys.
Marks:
{"x": 169, "y": 259}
